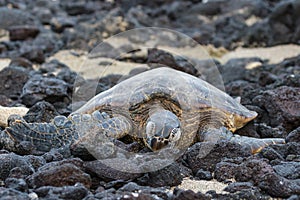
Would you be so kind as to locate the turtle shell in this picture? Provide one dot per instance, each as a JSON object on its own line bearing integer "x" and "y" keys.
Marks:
{"x": 165, "y": 84}
{"x": 197, "y": 103}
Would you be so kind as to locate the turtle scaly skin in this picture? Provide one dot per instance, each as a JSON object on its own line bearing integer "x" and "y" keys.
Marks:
{"x": 162, "y": 107}
{"x": 63, "y": 131}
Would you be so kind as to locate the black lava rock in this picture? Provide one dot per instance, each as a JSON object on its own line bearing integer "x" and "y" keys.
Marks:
{"x": 258, "y": 172}
{"x": 17, "y": 184}
{"x": 59, "y": 24}
{"x": 152, "y": 192}
{"x": 281, "y": 105}
{"x": 238, "y": 66}
{"x": 12, "y": 80}
{"x": 271, "y": 154}
{"x": 206, "y": 155}
{"x": 23, "y": 32}
{"x": 40, "y": 88}
{"x": 32, "y": 53}
{"x": 35, "y": 161}
{"x": 189, "y": 195}
{"x": 21, "y": 62}
{"x": 168, "y": 176}
{"x": 157, "y": 57}
{"x": 11, "y": 161}
{"x": 104, "y": 172}
{"x": 289, "y": 170}
{"x": 237, "y": 186}
{"x": 76, "y": 192}
{"x": 65, "y": 174}
{"x": 294, "y": 136}
{"x": 9, "y": 193}
{"x": 203, "y": 175}
{"x": 14, "y": 17}
{"x": 53, "y": 155}
{"x": 41, "y": 112}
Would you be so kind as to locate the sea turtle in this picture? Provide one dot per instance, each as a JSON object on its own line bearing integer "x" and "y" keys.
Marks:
{"x": 161, "y": 107}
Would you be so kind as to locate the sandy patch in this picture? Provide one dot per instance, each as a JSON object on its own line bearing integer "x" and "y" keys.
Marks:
{"x": 4, "y": 62}
{"x": 202, "y": 185}
{"x": 274, "y": 54}
{"x": 7, "y": 111}
{"x": 98, "y": 67}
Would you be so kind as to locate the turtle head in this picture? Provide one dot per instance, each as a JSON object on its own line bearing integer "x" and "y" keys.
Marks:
{"x": 162, "y": 130}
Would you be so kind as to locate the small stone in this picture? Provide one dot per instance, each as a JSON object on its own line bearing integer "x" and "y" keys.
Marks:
{"x": 17, "y": 184}
{"x": 52, "y": 155}
{"x": 33, "y": 53}
{"x": 21, "y": 62}
{"x": 271, "y": 154}
{"x": 14, "y": 17}
{"x": 266, "y": 78}
{"x": 107, "y": 194}
{"x": 76, "y": 192}
{"x": 11, "y": 161}
{"x": 5, "y": 101}
{"x": 278, "y": 186}
{"x": 294, "y": 136}
{"x": 9, "y": 193}
{"x": 44, "y": 15}
{"x": 158, "y": 58}
{"x": 58, "y": 24}
{"x": 168, "y": 176}
{"x": 33, "y": 196}
{"x": 239, "y": 88}
{"x": 145, "y": 190}
{"x": 295, "y": 158}
{"x": 74, "y": 161}
{"x": 35, "y": 161}
{"x": 41, "y": 112}
{"x": 99, "y": 189}
{"x": 189, "y": 195}
{"x": 23, "y": 32}
{"x": 99, "y": 169}
{"x": 289, "y": 170}
{"x": 225, "y": 171}
{"x": 115, "y": 184}
{"x": 237, "y": 186}
{"x": 78, "y": 8}
{"x": 266, "y": 131}
{"x": 203, "y": 175}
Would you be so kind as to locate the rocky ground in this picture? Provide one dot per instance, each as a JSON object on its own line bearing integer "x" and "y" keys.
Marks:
{"x": 33, "y": 33}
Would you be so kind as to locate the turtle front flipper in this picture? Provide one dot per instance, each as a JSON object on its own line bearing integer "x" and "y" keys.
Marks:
{"x": 43, "y": 136}
{"x": 64, "y": 131}
{"x": 255, "y": 144}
